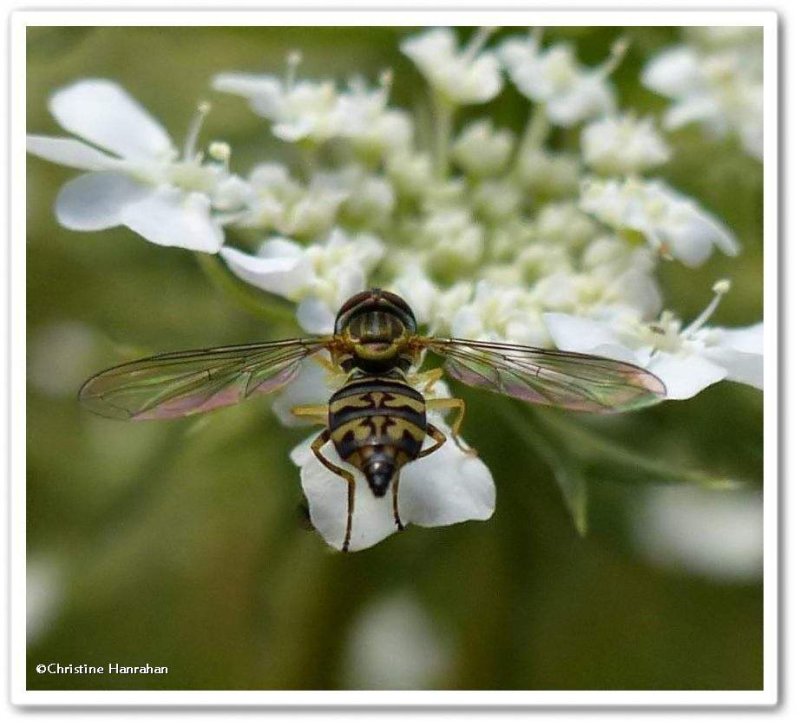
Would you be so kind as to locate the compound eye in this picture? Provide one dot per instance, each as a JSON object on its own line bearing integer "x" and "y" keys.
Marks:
{"x": 397, "y": 301}
{"x": 352, "y": 302}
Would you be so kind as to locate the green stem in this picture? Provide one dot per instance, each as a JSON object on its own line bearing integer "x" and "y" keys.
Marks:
{"x": 588, "y": 446}
{"x": 537, "y": 129}
{"x": 443, "y": 112}
{"x": 569, "y": 477}
{"x": 264, "y": 306}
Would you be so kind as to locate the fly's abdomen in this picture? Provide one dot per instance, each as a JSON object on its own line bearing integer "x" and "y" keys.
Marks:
{"x": 377, "y": 425}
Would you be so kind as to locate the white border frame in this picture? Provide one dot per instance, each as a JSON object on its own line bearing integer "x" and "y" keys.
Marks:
{"x": 20, "y": 20}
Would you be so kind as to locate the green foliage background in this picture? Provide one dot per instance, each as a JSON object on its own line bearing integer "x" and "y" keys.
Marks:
{"x": 178, "y": 542}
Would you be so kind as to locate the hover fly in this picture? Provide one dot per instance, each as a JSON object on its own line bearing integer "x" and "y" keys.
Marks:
{"x": 377, "y": 419}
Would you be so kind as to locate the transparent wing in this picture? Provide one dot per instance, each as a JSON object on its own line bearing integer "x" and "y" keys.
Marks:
{"x": 554, "y": 378}
{"x": 173, "y": 385}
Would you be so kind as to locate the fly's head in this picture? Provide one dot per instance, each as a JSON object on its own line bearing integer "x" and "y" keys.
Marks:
{"x": 375, "y": 327}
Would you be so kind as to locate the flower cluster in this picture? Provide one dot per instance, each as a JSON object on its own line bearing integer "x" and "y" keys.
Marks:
{"x": 488, "y": 233}
{"x": 714, "y": 79}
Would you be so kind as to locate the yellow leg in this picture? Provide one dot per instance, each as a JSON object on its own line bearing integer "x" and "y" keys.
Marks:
{"x": 318, "y": 414}
{"x": 316, "y": 446}
{"x": 462, "y": 408}
{"x": 326, "y": 363}
{"x": 438, "y": 435}
{"x": 427, "y": 379}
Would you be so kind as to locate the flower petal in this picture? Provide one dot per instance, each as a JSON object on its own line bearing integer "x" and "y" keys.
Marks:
{"x": 326, "y": 493}
{"x": 584, "y": 335}
{"x": 674, "y": 72}
{"x": 308, "y": 388}
{"x": 69, "y": 152}
{"x": 447, "y": 487}
{"x": 95, "y": 201}
{"x": 102, "y": 112}
{"x": 685, "y": 376}
{"x": 283, "y": 274}
{"x": 315, "y": 316}
{"x": 744, "y": 368}
{"x": 749, "y": 339}
{"x": 171, "y": 217}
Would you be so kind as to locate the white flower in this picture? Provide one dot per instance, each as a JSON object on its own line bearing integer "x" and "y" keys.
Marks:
{"x": 397, "y": 624}
{"x": 145, "y": 185}
{"x": 320, "y": 277}
{"x": 368, "y": 199}
{"x": 45, "y": 596}
{"x": 622, "y": 145}
{"x": 298, "y": 109}
{"x": 672, "y": 224}
{"x": 554, "y": 77}
{"x": 369, "y": 124}
{"x": 317, "y": 112}
{"x": 686, "y": 359}
{"x": 563, "y": 223}
{"x": 410, "y": 173}
{"x": 496, "y": 200}
{"x": 716, "y": 84}
{"x": 459, "y": 77}
{"x": 714, "y": 534}
{"x": 500, "y": 313}
{"x": 482, "y": 151}
{"x": 451, "y": 241}
{"x": 445, "y": 488}
{"x": 547, "y": 173}
{"x": 277, "y": 202}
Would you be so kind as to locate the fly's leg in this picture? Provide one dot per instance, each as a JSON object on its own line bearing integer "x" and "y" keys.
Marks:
{"x": 395, "y": 491}
{"x": 318, "y": 414}
{"x": 462, "y": 407}
{"x": 326, "y": 363}
{"x": 438, "y": 435}
{"x": 427, "y": 379}
{"x": 322, "y": 439}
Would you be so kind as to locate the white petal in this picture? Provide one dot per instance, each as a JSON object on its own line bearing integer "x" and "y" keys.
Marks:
{"x": 171, "y": 217}
{"x": 103, "y": 113}
{"x": 748, "y": 340}
{"x": 326, "y": 493}
{"x": 691, "y": 109}
{"x": 691, "y": 243}
{"x": 710, "y": 533}
{"x": 447, "y": 487}
{"x": 584, "y": 335}
{"x": 248, "y": 85}
{"x": 744, "y": 368}
{"x": 279, "y": 275}
{"x": 309, "y": 388}
{"x": 301, "y": 453}
{"x": 315, "y": 316}
{"x": 685, "y": 376}
{"x": 674, "y": 72}
{"x": 280, "y": 247}
{"x": 69, "y": 152}
{"x": 95, "y": 201}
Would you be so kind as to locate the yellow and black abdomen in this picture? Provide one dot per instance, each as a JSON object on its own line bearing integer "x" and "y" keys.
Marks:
{"x": 377, "y": 424}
